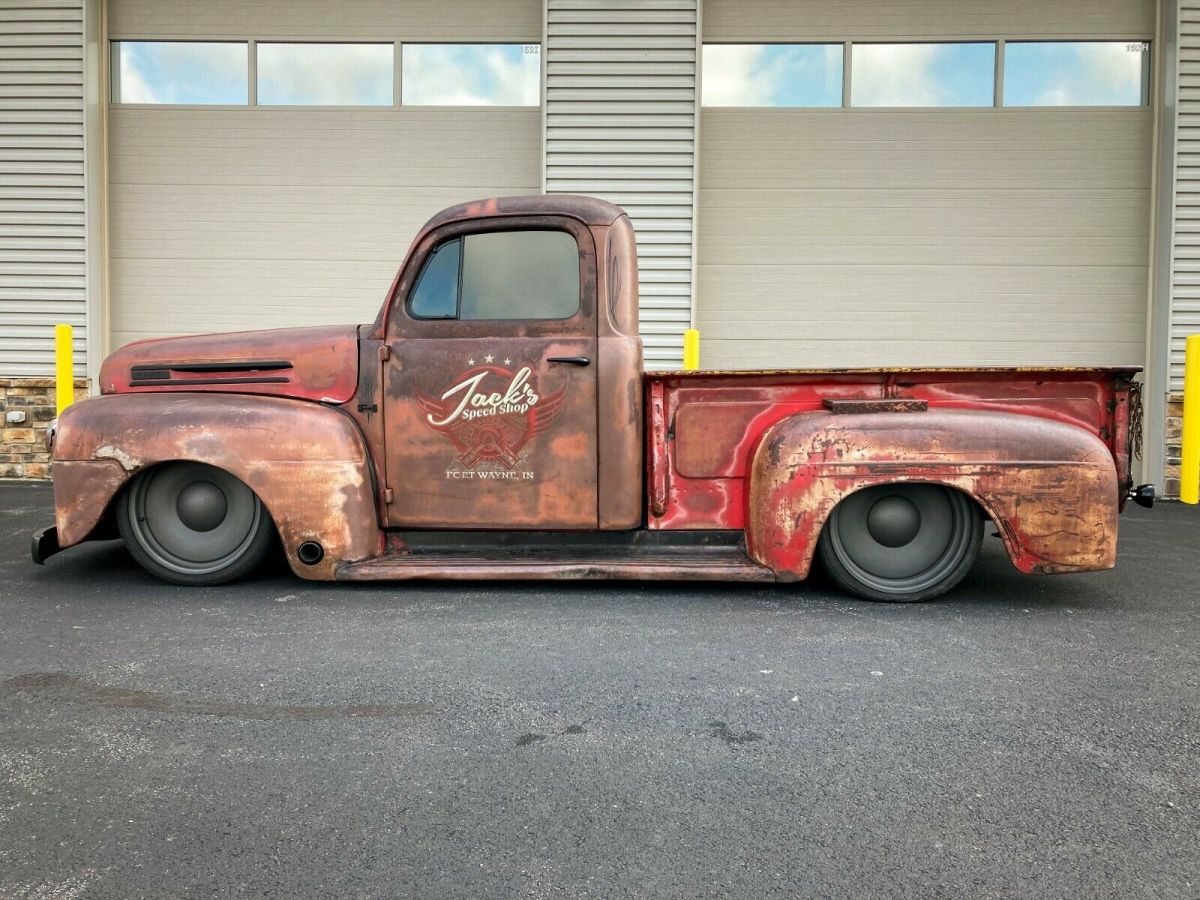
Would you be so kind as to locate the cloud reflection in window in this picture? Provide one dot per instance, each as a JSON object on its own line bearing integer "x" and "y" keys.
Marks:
{"x": 325, "y": 74}
{"x": 772, "y": 75}
{"x": 191, "y": 72}
{"x": 923, "y": 74}
{"x": 470, "y": 75}
{"x": 1076, "y": 73}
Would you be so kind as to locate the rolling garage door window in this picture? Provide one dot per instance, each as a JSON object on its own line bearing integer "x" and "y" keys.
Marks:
{"x": 215, "y": 73}
{"x": 937, "y": 74}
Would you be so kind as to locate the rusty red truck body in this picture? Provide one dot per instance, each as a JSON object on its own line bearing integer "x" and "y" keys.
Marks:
{"x": 495, "y": 421}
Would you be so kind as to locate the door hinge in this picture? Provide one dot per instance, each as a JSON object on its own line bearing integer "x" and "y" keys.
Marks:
{"x": 388, "y": 496}
{"x": 385, "y": 352}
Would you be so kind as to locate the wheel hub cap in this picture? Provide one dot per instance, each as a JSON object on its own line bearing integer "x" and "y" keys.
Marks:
{"x": 201, "y": 506}
{"x": 894, "y": 521}
{"x": 902, "y": 539}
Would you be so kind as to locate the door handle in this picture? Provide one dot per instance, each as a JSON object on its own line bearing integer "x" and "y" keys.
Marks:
{"x": 570, "y": 360}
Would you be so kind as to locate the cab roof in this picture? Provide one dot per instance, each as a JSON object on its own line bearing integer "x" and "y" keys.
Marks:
{"x": 589, "y": 210}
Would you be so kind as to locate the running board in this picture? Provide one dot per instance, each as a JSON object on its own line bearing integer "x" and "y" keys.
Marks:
{"x": 709, "y": 565}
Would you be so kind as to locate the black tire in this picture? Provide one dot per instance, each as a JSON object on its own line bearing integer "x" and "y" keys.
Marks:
{"x": 190, "y": 523}
{"x": 901, "y": 542}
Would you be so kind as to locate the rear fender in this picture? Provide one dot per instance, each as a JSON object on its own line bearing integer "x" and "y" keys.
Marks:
{"x": 1050, "y": 488}
{"x": 307, "y": 463}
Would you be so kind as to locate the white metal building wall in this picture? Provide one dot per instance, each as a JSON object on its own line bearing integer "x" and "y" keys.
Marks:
{"x": 1185, "y": 269}
{"x": 227, "y": 218}
{"x": 42, "y": 231}
{"x": 504, "y": 21}
{"x": 621, "y": 125}
{"x": 843, "y": 237}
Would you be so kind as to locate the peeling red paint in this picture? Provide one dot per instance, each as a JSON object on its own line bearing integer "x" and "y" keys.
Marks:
{"x": 718, "y": 419}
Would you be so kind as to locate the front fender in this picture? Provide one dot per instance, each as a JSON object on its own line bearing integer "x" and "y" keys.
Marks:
{"x": 1051, "y": 488}
{"x": 307, "y": 463}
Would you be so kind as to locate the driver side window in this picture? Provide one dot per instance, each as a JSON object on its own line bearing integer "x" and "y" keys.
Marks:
{"x": 499, "y": 275}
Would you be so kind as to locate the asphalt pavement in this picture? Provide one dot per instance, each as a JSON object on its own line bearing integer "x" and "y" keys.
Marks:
{"x": 1028, "y": 737}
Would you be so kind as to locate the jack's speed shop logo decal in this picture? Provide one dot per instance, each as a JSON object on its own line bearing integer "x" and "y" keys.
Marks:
{"x": 490, "y": 414}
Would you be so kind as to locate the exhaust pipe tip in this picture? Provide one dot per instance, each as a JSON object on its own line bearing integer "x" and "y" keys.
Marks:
{"x": 310, "y": 553}
{"x": 1143, "y": 495}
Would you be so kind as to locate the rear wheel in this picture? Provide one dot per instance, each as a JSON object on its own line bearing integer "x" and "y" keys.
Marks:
{"x": 901, "y": 542}
{"x": 191, "y": 523}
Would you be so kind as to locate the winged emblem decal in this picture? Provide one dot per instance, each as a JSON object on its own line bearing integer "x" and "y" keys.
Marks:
{"x": 491, "y": 413}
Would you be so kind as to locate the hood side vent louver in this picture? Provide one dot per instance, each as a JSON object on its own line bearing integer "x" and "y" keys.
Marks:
{"x": 248, "y": 371}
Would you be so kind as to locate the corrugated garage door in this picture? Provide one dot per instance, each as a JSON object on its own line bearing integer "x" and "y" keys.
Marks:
{"x": 41, "y": 183}
{"x": 1185, "y": 275}
{"x": 923, "y": 236}
{"x": 620, "y": 124}
{"x": 227, "y": 218}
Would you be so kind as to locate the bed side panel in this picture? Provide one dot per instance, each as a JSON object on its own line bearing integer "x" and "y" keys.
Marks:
{"x": 705, "y": 426}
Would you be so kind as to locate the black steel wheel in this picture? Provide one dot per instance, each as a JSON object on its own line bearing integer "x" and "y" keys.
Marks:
{"x": 191, "y": 523}
{"x": 901, "y": 542}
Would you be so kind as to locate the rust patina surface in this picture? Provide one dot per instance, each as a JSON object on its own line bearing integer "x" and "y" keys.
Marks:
{"x": 1050, "y": 487}
{"x": 572, "y": 460}
{"x": 307, "y": 463}
{"x": 356, "y": 436}
{"x": 482, "y": 428}
{"x": 305, "y": 363}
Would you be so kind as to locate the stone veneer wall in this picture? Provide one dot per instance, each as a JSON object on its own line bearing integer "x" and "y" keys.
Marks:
{"x": 1174, "y": 455}
{"x": 22, "y": 445}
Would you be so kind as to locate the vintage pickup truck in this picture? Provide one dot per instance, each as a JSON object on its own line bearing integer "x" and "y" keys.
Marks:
{"x": 494, "y": 421}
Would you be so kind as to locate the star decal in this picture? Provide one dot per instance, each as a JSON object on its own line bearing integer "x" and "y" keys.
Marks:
{"x": 488, "y": 358}
{"x": 470, "y": 362}
{"x": 508, "y": 362}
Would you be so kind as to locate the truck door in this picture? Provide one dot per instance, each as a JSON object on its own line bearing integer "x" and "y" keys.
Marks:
{"x": 490, "y": 380}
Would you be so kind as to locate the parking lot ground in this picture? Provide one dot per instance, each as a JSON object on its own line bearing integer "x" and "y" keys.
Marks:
{"x": 1033, "y": 737}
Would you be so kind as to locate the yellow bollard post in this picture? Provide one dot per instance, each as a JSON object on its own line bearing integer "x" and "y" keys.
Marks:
{"x": 1189, "y": 483}
{"x": 691, "y": 350}
{"x": 64, "y": 367}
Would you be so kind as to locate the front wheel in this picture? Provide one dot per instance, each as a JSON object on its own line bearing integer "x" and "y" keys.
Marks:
{"x": 195, "y": 524}
{"x": 901, "y": 542}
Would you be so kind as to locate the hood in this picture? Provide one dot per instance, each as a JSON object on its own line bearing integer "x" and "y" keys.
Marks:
{"x": 318, "y": 364}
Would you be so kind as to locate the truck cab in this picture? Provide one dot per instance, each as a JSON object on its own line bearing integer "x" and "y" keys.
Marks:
{"x": 510, "y": 381}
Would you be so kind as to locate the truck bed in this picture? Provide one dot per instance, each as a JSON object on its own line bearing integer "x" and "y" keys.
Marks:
{"x": 702, "y": 426}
